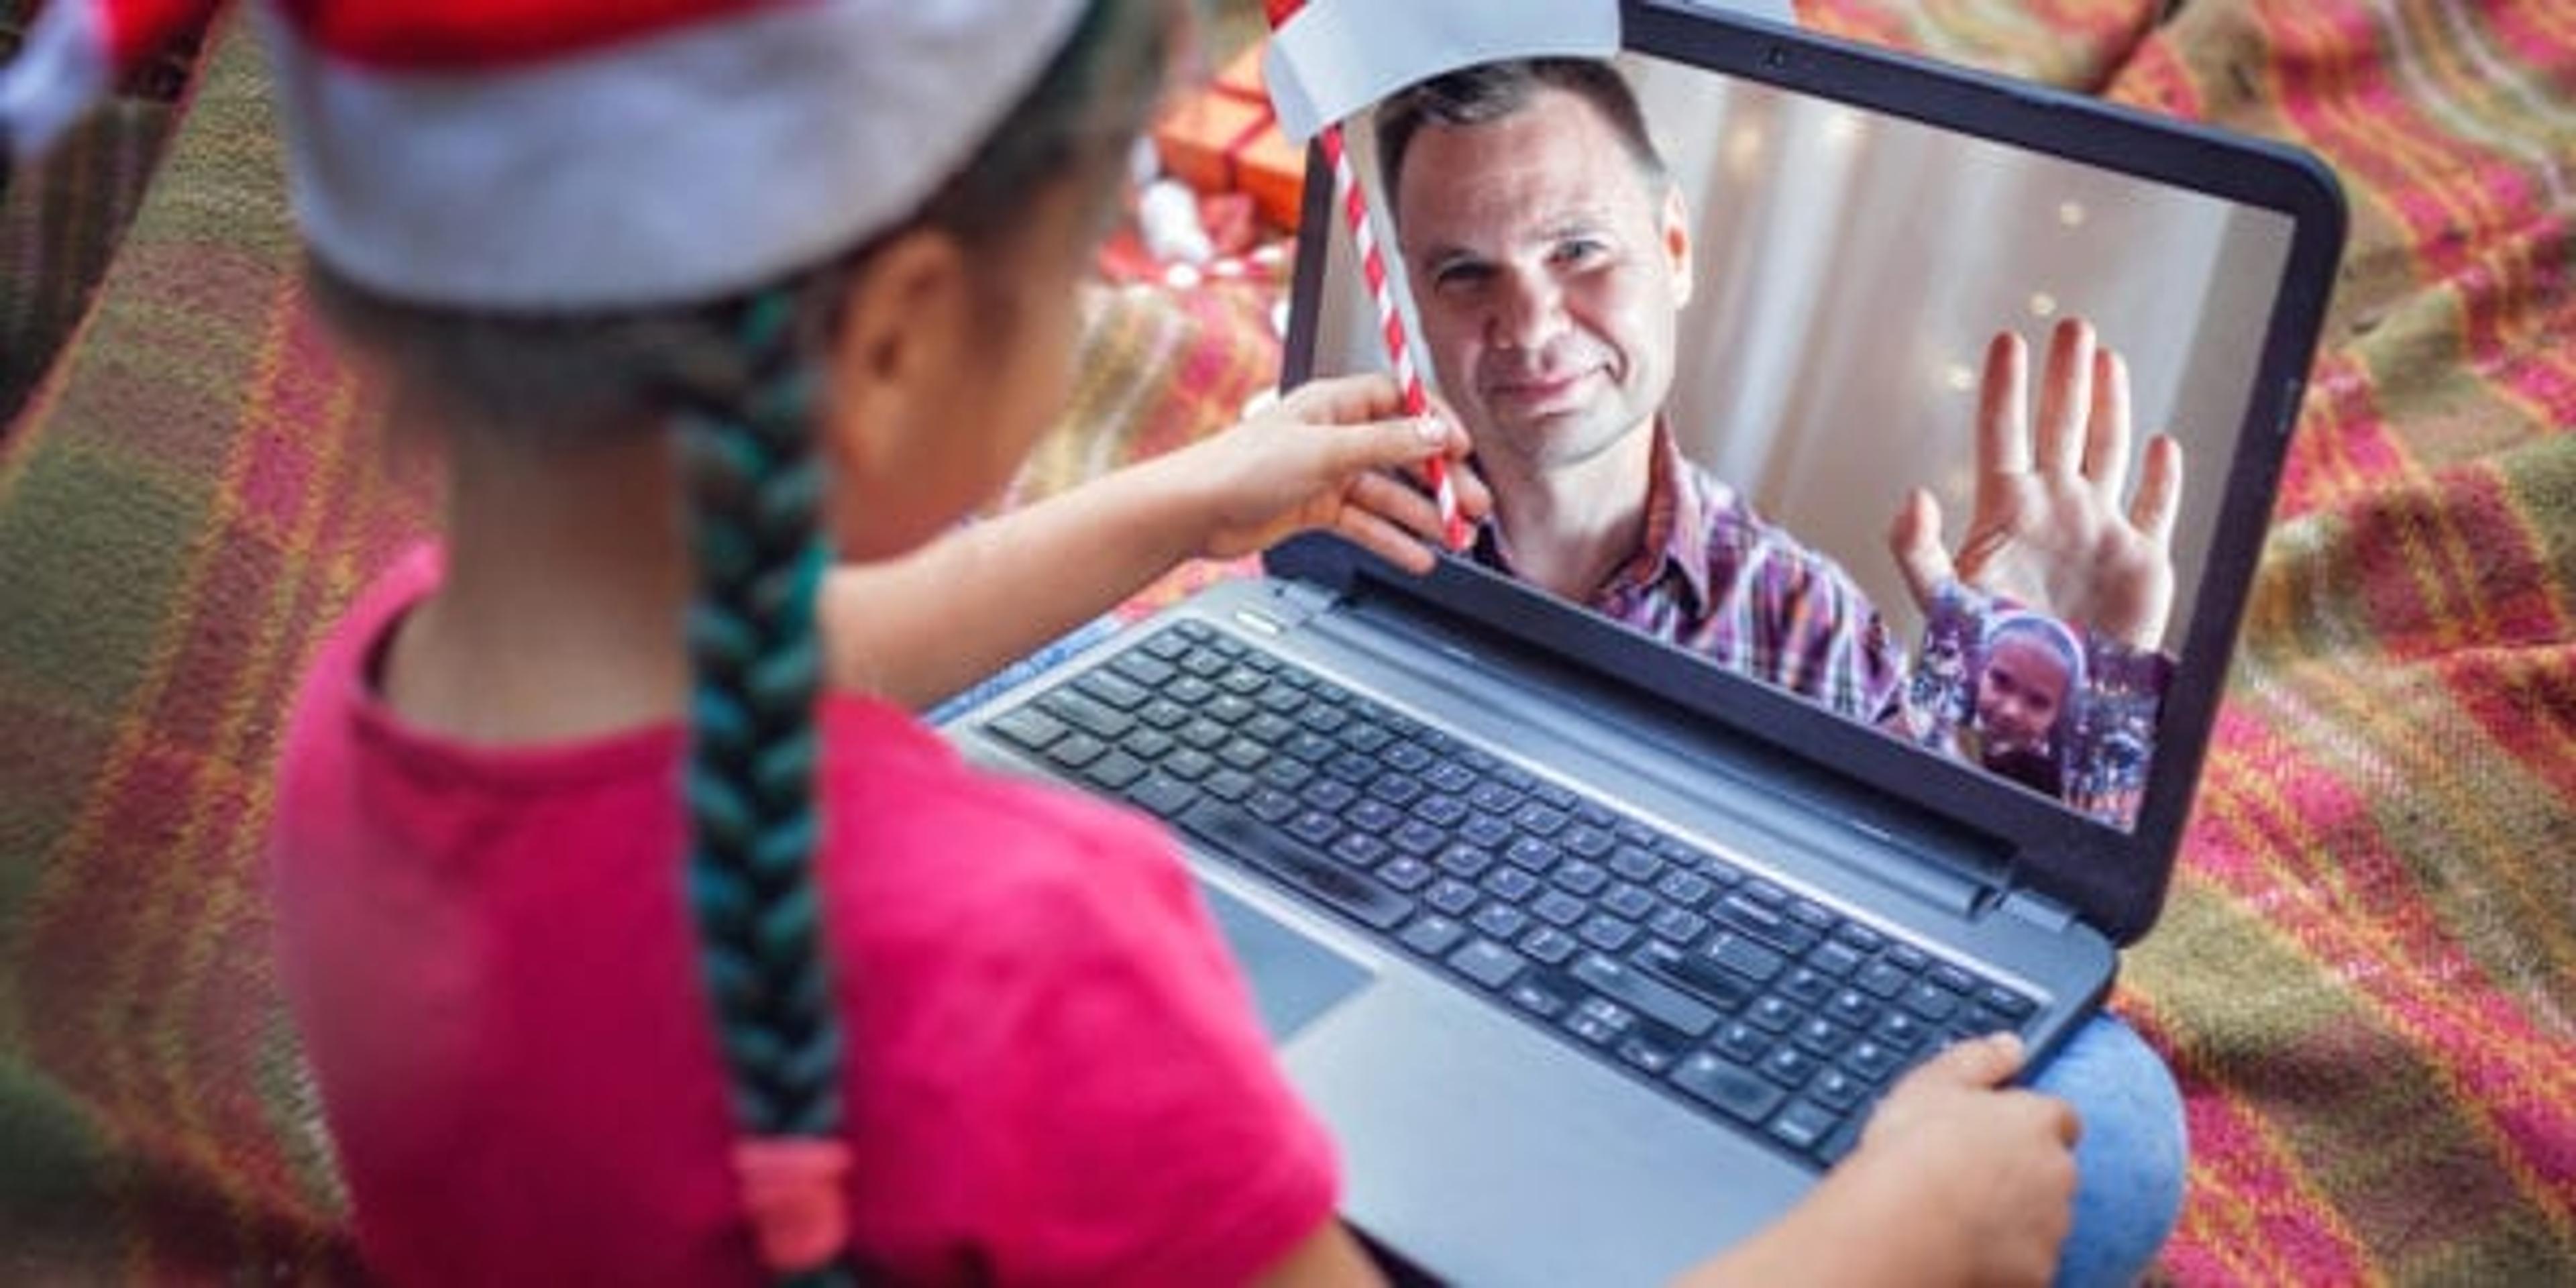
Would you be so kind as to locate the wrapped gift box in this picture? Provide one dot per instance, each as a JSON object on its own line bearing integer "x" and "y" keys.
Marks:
{"x": 1225, "y": 138}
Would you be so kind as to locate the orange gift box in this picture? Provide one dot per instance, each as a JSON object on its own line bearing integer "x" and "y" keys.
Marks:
{"x": 1225, "y": 138}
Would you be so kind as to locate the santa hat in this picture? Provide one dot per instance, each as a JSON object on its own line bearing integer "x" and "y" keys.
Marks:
{"x": 588, "y": 154}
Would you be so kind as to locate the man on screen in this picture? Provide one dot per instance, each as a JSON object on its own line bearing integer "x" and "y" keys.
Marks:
{"x": 1550, "y": 256}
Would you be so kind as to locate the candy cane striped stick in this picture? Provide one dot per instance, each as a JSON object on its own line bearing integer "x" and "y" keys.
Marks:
{"x": 1399, "y": 351}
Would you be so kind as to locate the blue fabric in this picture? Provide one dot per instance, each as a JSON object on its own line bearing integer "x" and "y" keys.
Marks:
{"x": 2130, "y": 1162}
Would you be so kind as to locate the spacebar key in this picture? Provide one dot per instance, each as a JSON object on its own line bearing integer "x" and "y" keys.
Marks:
{"x": 1239, "y": 836}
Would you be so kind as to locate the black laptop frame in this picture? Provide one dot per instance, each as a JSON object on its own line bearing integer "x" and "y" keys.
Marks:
{"x": 2113, "y": 879}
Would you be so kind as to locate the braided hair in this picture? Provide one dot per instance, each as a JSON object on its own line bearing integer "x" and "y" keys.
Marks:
{"x": 739, "y": 383}
{"x": 755, "y": 661}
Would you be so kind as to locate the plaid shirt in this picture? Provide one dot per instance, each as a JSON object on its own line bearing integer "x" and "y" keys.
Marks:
{"x": 1713, "y": 577}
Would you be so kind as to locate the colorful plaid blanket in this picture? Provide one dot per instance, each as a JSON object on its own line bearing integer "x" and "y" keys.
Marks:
{"x": 2366, "y": 978}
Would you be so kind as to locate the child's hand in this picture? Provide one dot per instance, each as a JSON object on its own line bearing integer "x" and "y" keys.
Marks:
{"x": 1328, "y": 456}
{"x": 1990, "y": 1170}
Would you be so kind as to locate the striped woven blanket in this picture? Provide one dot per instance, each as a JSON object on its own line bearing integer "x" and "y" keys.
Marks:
{"x": 2366, "y": 978}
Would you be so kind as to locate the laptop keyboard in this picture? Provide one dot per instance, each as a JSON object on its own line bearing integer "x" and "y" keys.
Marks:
{"x": 1736, "y": 996}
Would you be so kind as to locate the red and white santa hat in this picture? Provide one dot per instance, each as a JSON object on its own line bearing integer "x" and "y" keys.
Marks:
{"x": 588, "y": 154}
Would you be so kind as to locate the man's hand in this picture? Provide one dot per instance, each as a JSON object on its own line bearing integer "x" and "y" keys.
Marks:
{"x": 1991, "y": 1167}
{"x": 2048, "y": 529}
{"x": 1328, "y": 456}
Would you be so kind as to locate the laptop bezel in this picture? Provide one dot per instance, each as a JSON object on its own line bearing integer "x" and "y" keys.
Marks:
{"x": 2112, "y": 879}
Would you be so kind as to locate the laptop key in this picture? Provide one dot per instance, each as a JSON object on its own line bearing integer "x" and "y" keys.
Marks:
{"x": 1405, "y": 873}
{"x": 2011, "y": 1005}
{"x": 1635, "y": 864}
{"x": 1432, "y": 934}
{"x": 1077, "y": 750}
{"x": 1440, "y": 809}
{"x": 1557, "y": 908}
{"x": 1599, "y": 1022}
{"x": 1872, "y": 1061}
{"x": 1029, "y": 727}
{"x": 1701, "y": 976}
{"x": 1315, "y": 827}
{"x": 1688, "y": 889}
{"x": 1533, "y": 854}
{"x": 1488, "y": 963}
{"x": 1851, "y": 1006}
{"x": 1452, "y": 896}
{"x": 1834, "y": 958}
{"x": 1550, "y": 945}
{"x": 1419, "y": 839}
{"x": 1452, "y": 778}
{"x": 1285, "y": 774}
{"x": 1789, "y": 1066}
{"x": 1731, "y": 951}
{"x": 1395, "y": 788}
{"x": 1806, "y": 985}
{"x": 1931, "y": 1001}
{"x": 1144, "y": 668}
{"x": 1465, "y": 861}
{"x": 1646, "y": 996}
{"x": 1162, "y": 795}
{"x": 1836, "y": 1089}
{"x": 1804, "y": 1125}
{"x": 1607, "y": 933}
{"x": 1733, "y": 1089}
{"x": 1113, "y": 689}
{"x": 1537, "y": 997}
{"x": 1360, "y": 850}
{"x": 1330, "y": 795}
{"x": 1372, "y": 816}
{"x": 1087, "y": 714}
{"x": 1229, "y": 785}
{"x": 1147, "y": 744}
{"x": 1882, "y": 980}
{"x": 1500, "y": 920}
{"x": 1631, "y": 902}
{"x": 1510, "y": 883}
{"x": 1239, "y": 836}
{"x": 1578, "y": 877}
{"x": 1743, "y": 1042}
{"x": 1766, "y": 924}
{"x": 1646, "y": 1053}
{"x": 1774, "y": 1014}
{"x": 1822, "y": 1038}
{"x": 1676, "y": 925}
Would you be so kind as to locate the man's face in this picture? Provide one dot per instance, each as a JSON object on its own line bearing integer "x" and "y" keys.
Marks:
{"x": 2020, "y": 694}
{"x": 1548, "y": 267}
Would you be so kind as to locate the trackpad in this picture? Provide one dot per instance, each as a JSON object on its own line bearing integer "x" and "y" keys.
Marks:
{"x": 1294, "y": 979}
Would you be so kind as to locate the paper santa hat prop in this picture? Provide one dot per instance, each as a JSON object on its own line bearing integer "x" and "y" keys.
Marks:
{"x": 552, "y": 154}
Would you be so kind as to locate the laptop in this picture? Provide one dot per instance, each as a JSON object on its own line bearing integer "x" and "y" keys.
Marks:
{"x": 1595, "y": 953}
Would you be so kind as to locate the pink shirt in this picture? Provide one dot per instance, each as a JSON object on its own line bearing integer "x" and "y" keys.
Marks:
{"x": 1055, "y": 1074}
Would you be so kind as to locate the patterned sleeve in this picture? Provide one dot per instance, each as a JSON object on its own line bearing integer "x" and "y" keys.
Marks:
{"x": 2103, "y": 762}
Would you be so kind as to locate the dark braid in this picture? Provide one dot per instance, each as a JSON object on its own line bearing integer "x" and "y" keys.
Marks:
{"x": 755, "y": 491}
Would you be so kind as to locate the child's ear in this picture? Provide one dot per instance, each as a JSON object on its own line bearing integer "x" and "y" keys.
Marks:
{"x": 903, "y": 337}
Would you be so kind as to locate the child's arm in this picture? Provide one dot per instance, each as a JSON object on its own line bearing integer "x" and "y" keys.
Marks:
{"x": 919, "y": 628}
{"x": 1955, "y": 1182}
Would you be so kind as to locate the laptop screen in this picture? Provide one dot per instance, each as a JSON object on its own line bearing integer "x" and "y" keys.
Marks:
{"x": 1929, "y": 429}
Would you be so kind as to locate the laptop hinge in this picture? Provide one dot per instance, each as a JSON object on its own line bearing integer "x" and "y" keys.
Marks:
{"x": 1285, "y": 605}
{"x": 2039, "y": 910}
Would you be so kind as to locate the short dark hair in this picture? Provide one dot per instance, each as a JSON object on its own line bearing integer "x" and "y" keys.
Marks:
{"x": 1489, "y": 92}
